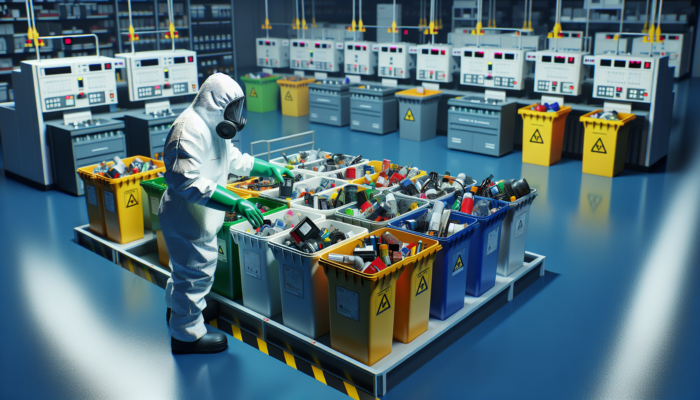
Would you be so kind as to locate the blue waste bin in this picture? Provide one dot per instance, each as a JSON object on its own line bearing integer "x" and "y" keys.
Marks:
{"x": 451, "y": 264}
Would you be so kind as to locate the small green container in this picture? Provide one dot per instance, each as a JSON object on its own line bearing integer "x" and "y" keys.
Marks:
{"x": 227, "y": 278}
{"x": 261, "y": 95}
{"x": 155, "y": 189}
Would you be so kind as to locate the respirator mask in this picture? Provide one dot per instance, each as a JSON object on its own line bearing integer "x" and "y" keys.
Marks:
{"x": 233, "y": 122}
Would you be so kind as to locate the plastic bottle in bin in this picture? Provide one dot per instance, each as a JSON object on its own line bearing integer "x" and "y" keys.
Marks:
{"x": 481, "y": 209}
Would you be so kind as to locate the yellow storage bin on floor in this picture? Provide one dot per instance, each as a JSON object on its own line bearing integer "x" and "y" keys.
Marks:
{"x": 244, "y": 193}
{"x": 543, "y": 135}
{"x": 122, "y": 201}
{"x": 94, "y": 200}
{"x": 294, "y": 92}
{"x": 368, "y": 311}
{"x": 605, "y": 144}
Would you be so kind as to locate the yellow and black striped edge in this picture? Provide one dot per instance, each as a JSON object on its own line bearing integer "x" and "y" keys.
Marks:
{"x": 292, "y": 361}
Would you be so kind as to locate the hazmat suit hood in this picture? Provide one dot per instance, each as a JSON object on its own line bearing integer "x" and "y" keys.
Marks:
{"x": 214, "y": 96}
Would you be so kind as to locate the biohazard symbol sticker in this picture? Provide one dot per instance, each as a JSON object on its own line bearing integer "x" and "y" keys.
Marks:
{"x": 288, "y": 96}
{"x": 422, "y": 285}
{"x": 130, "y": 198}
{"x": 221, "y": 250}
{"x": 253, "y": 93}
{"x": 458, "y": 265}
{"x": 409, "y": 116}
{"x": 383, "y": 301}
{"x": 536, "y": 137}
{"x": 598, "y": 147}
{"x": 594, "y": 201}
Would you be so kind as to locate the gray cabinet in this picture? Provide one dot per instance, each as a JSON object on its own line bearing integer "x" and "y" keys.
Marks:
{"x": 481, "y": 126}
{"x": 329, "y": 103}
{"x": 373, "y": 109}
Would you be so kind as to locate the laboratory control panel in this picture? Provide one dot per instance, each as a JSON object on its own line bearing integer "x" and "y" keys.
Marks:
{"x": 624, "y": 77}
{"x": 160, "y": 74}
{"x": 359, "y": 58}
{"x": 435, "y": 63}
{"x": 316, "y": 55}
{"x": 492, "y": 67}
{"x": 674, "y": 45}
{"x": 558, "y": 72}
{"x": 74, "y": 83}
{"x": 272, "y": 52}
{"x": 394, "y": 60}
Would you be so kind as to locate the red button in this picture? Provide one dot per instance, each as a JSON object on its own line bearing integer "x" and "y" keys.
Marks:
{"x": 554, "y": 83}
{"x": 619, "y": 89}
{"x": 571, "y": 87}
{"x": 111, "y": 95}
{"x": 646, "y": 94}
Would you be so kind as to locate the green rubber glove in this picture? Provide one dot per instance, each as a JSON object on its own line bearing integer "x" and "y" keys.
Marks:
{"x": 265, "y": 169}
{"x": 226, "y": 200}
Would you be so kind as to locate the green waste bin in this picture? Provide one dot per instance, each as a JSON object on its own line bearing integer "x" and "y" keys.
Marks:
{"x": 227, "y": 278}
{"x": 261, "y": 94}
{"x": 154, "y": 189}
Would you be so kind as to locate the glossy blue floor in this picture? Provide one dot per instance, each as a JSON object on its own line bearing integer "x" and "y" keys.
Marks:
{"x": 616, "y": 315}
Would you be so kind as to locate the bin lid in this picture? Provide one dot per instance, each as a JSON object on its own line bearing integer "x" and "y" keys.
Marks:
{"x": 563, "y": 110}
{"x": 374, "y": 90}
{"x": 336, "y": 86}
{"x": 414, "y": 93}
{"x": 295, "y": 81}
{"x": 478, "y": 101}
{"x": 246, "y": 78}
{"x": 624, "y": 118}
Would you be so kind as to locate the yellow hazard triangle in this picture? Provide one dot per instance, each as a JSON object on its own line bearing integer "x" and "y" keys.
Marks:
{"x": 132, "y": 202}
{"x": 409, "y": 116}
{"x": 422, "y": 286}
{"x": 383, "y": 305}
{"x": 288, "y": 97}
{"x": 598, "y": 147}
{"x": 536, "y": 137}
{"x": 253, "y": 93}
{"x": 459, "y": 264}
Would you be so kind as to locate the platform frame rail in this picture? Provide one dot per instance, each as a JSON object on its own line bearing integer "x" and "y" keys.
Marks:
{"x": 269, "y": 143}
{"x": 140, "y": 257}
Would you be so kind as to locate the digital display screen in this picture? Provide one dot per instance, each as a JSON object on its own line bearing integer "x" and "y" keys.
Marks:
{"x": 546, "y": 58}
{"x": 510, "y": 56}
{"x": 620, "y": 63}
{"x": 393, "y": 49}
{"x": 149, "y": 63}
{"x": 606, "y": 63}
{"x": 479, "y": 54}
{"x": 385, "y": 49}
{"x": 636, "y": 64}
{"x": 349, "y": 47}
{"x": 358, "y": 47}
{"x": 425, "y": 51}
{"x": 179, "y": 60}
{"x": 434, "y": 52}
{"x": 467, "y": 53}
{"x": 57, "y": 71}
{"x": 95, "y": 67}
{"x": 559, "y": 59}
{"x": 498, "y": 56}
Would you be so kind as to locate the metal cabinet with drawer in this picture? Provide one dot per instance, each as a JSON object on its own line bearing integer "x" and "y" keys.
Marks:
{"x": 329, "y": 102}
{"x": 146, "y": 133}
{"x": 481, "y": 125}
{"x": 80, "y": 145}
{"x": 374, "y": 109}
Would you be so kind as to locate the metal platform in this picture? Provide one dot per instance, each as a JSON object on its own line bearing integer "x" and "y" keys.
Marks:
{"x": 141, "y": 258}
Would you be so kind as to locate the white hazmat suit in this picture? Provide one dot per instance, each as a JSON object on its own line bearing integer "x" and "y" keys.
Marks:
{"x": 196, "y": 159}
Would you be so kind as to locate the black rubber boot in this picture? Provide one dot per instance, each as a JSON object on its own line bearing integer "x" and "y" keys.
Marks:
{"x": 212, "y": 342}
{"x": 210, "y": 312}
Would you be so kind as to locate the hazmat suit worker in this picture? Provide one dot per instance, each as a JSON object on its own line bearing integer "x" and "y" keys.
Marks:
{"x": 199, "y": 156}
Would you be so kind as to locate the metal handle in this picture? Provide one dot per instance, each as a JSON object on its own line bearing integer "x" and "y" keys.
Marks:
{"x": 268, "y": 142}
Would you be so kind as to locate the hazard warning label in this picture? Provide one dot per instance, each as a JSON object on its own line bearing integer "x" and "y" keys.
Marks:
{"x": 422, "y": 282}
{"x": 598, "y": 147}
{"x": 288, "y": 96}
{"x": 536, "y": 137}
{"x": 383, "y": 300}
{"x": 253, "y": 93}
{"x": 221, "y": 249}
{"x": 409, "y": 116}
{"x": 520, "y": 224}
{"x": 130, "y": 197}
{"x": 458, "y": 262}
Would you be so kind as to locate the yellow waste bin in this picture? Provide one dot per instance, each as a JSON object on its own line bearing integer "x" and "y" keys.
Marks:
{"x": 367, "y": 311}
{"x": 122, "y": 201}
{"x": 294, "y": 92}
{"x": 605, "y": 144}
{"x": 543, "y": 135}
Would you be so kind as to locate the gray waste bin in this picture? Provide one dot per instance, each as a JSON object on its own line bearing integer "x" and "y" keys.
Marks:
{"x": 418, "y": 114}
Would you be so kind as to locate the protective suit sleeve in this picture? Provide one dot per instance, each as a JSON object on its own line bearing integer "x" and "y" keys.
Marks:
{"x": 262, "y": 168}
{"x": 183, "y": 159}
{"x": 241, "y": 164}
{"x": 225, "y": 200}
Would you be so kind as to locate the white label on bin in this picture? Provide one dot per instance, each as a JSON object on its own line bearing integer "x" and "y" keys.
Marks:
{"x": 251, "y": 264}
{"x": 347, "y": 303}
{"x": 491, "y": 146}
{"x": 375, "y": 126}
{"x": 155, "y": 202}
{"x": 355, "y": 122}
{"x": 334, "y": 118}
{"x": 109, "y": 202}
{"x": 492, "y": 241}
{"x": 520, "y": 224}
{"x": 458, "y": 262}
{"x": 314, "y": 115}
{"x": 91, "y": 195}
{"x": 456, "y": 140}
{"x": 221, "y": 249}
{"x": 293, "y": 281}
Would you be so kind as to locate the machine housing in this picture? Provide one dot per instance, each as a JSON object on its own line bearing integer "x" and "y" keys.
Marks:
{"x": 272, "y": 52}
{"x": 160, "y": 74}
{"x": 492, "y": 67}
{"x": 395, "y": 61}
{"x": 316, "y": 55}
{"x": 435, "y": 63}
{"x": 359, "y": 58}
